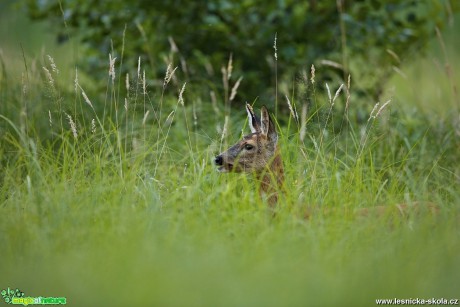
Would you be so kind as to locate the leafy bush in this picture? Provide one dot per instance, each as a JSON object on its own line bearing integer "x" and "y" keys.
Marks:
{"x": 349, "y": 37}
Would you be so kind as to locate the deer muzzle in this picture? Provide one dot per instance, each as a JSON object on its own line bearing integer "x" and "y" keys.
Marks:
{"x": 224, "y": 165}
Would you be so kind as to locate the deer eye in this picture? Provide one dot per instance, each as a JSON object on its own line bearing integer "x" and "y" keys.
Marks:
{"x": 248, "y": 147}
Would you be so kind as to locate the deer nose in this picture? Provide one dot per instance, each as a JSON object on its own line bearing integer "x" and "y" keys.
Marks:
{"x": 219, "y": 160}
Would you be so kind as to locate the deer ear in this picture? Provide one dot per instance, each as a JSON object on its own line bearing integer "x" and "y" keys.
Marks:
{"x": 254, "y": 122}
{"x": 267, "y": 125}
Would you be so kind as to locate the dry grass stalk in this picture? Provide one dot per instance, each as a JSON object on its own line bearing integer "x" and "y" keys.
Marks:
{"x": 183, "y": 64}
{"x": 235, "y": 88}
{"x": 50, "y": 118}
{"x": 49, "y": 77}
{"x": 312, "y": 73}
{"x": 294, "y": 114}
{"x": 304, "y": 77}
{"x": 230, "y": 67}
{"x": 181, "y": 98}
{"x": 141, "y": 30}
{"x": 127, "y": 83}
{"x": 145, "y": 117}
{"x": 371, "y": 116}
{"x": 347, "y": 103}
{"x": 53, "y": 65}
{"x": 173, "y": 45}
{"x": 303, "y": 122}
{"x": 394, "y": 55}
{"x": 332, "y": 64}
{"x": 112, "y": 67}
{"x": 169, "y": 74}
{"x": 329, "y": 93}
{"x": 381, "y": 108}
{"x": 169, "y": 119}
{"x": 224, "y": 72}
{"x": 144, "y": 84}
{"x": 85, "y": 97}
{"x": 73, "y": 126}
{"x": 337, "y": 93}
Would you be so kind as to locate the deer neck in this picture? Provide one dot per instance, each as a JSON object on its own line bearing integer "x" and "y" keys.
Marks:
{"x": 272, "y": 178}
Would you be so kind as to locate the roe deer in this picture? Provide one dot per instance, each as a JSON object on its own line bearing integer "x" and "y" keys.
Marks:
{"x": 257, "y": 153}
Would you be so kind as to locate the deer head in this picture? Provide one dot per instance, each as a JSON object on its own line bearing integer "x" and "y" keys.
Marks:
{"x": 257, "y": 153}
{"x": 256, "y": 150}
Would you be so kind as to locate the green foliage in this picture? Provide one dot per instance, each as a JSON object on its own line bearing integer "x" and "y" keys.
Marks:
{"x": 355, "y": 36}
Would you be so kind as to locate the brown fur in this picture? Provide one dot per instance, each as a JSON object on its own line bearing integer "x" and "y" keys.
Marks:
{"x": 257, "y": 153}
{"x": 271, "y": 180}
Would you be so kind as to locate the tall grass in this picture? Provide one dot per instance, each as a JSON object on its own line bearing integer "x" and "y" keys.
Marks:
{"x": 114, "y": 198}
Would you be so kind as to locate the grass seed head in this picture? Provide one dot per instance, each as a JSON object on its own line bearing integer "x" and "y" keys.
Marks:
{"x": 303, "y": 122}
{"x": 112, "y": 67}
{"x": 337, "y": 93}
{"x": 230, "y": 67}
{"x": 73, "y": 126}
{"x": 144, "y": 84}
{"x": 181, "y": 98}
{"x": 53, "y": 65}
{"x": 173, "y": 45}
{"x": 50, "y": 118}
{"x": 49, "y": 77}
{"x": 382, "y": 108}
{"x": 312, "y": 73}
{"x": 170, "y": 118}
{"x": 145, "y": 117}
{"x": 235, "y": 88}
{"x": 294, "y": 114}
{"x": 169, "y": 74}
{"x": 329, "y": 93}
{"x": 373, "y": 110}
{"x": 85, "y": 97}
{"x": 348, "y": 93}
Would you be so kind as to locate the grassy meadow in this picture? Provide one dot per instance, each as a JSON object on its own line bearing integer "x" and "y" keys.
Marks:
{"x": 110, "y": 196}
